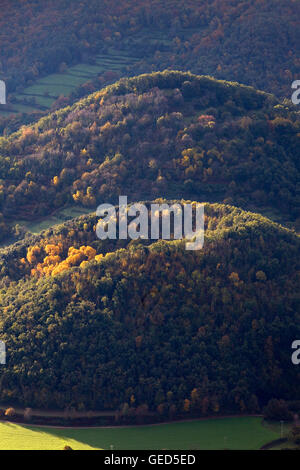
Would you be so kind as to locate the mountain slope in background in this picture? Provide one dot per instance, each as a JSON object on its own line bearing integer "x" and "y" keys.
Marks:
{"x": 255, "y": 42}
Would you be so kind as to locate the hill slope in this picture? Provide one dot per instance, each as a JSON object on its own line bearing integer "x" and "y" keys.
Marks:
{"x": 160, "y": 134}
{"x": 153, "y": 325}
{"x": 252, "y": 41}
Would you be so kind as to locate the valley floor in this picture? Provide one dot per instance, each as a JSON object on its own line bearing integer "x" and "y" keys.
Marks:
{"x": 211, "y": 434}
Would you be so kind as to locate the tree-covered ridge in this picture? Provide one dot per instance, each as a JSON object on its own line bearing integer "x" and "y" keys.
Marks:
{"x": 252, "y": 41}
{"x": 158, "y": 134}
{"x": 34, "y": 254}
{"x": 155, "y": 326}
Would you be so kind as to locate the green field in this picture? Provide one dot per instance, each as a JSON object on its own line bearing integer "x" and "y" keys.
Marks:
{"x": 213, "y": 434}
{"x": 37, "y": 226}
{"x": 42, "y": 94}
{"x": 59, "y": 217}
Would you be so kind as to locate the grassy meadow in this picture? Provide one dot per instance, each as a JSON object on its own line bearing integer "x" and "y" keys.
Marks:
{"x": 58, "y": 217}
{"x": 42, "y": 94}
{"x": 212, "y": 434}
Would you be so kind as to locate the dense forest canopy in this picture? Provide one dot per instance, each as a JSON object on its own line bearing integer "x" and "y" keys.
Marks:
{"x": 152, "y": 326}
{"x": 233, "y": 40}
{"x": 159, "y": 134}
{"x": 139, "y": 326}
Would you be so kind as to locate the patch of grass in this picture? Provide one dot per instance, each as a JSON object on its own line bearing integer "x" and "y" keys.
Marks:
{"x": 20, "y": 108}
{"x": 275, "y": 426}
{"x": 45, "y": 90}
{"x": 227, "y": 433}
{"x": 15, "y": 437}
{"x": 60, "y": 216}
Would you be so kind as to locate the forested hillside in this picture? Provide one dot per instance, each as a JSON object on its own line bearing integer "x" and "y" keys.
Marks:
{"x": 152, "y": 326}
{"x": 255, "y": 42}
{"x": 141, "y": 326}
{"x": 159, "y": 134}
